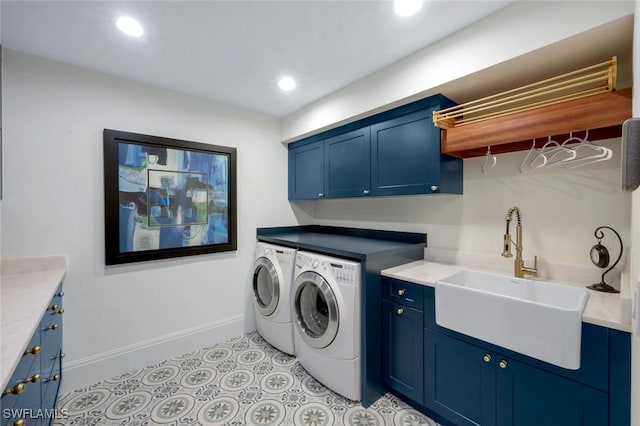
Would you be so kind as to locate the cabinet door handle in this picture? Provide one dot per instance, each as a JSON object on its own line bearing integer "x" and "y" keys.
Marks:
{"x": 400, "y": 311}
{"x": 487, "y": 358}
{"x": 55, "y": 377}
{"x": 434, "y": 188}
{"x": 321, "y": 195}
{"x": 60, "y": 294}
{"x": 33, "y": 351}
{"x": 61, "y": 311}
{"x": 34, "y": 379}
{"x": 21, "y": 422}
{"x": 54, "y": 327}
{"x": 365, "y": 192}
{"x": 16, "y": 390}
{"x": 401, "y": 291}
{"x": 503, "y": 364}
{"x": 53, "y": 308}
{"x": 62, "y": 355}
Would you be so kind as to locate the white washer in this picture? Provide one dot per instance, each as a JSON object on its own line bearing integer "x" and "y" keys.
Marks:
{"x": 326, "y": 309}
{"x": 272, "y": 276}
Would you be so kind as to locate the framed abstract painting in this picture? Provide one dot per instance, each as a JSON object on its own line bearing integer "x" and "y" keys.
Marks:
{"x": 167, "y": 197}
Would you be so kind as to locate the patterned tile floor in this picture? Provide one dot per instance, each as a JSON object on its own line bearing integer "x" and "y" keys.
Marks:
{"x": 243, "y": 381}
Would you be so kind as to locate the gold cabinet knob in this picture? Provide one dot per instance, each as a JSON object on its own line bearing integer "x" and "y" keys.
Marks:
{"x": 61, "y": 311}
{"x": 62, "y": 355}
{"x": 54, "y": 327}
{"x": 53, "y": 308}
{"x": 503, "y": 364}
{"x": 33, "y": 351}
{"x": 401, "y": 292}
{"x": 16, "y": 390}
{"x": 35, "y": 378}
{"x": 21, "y": 422}
{"x": 55, "y": 377}
{"x": 487, "y": 358}
{"x": 400, "y": 311}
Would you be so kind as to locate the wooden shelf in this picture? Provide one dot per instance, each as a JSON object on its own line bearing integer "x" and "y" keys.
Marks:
{"x": 601, "y": 114}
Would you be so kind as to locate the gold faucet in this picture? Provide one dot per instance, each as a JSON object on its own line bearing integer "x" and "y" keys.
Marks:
{"x": 519, "y": 270}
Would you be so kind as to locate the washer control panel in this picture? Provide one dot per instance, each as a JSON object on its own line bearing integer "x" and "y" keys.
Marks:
{"x": 343, "y": 271}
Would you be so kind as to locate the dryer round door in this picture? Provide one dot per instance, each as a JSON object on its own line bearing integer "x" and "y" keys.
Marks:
{"x": 266, "y": 286}
{"x": 316, "y": 310}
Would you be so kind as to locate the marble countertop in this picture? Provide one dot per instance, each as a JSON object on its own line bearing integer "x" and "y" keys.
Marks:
{"x": 602, "y": 309}
{"x": 26, "y": 288}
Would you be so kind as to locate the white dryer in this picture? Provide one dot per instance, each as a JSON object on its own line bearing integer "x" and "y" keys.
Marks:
{"x": 272, "y": 276}
{"x": 326, "y": 308}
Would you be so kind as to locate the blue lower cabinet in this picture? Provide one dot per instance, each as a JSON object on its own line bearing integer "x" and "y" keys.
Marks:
{"x": 528, "y": 396}
{"x": 459, "y": 380}
{"x": 402, "y": 366}
{"x": 33, "y": 388}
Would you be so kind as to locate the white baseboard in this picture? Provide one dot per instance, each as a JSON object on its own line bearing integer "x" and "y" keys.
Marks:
{"x": 95, "y": 368}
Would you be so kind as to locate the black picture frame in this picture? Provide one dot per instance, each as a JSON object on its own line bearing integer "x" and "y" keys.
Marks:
{"x": 167, "y": 198}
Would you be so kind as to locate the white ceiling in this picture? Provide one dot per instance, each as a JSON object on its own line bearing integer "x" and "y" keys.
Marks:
{"x": 234, "y": 52}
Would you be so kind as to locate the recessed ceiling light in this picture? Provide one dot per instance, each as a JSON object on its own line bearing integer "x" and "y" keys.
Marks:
{"x": 130, "y": 26}
{"x": 407, "y": 7}
{"x": 287, "y": 84}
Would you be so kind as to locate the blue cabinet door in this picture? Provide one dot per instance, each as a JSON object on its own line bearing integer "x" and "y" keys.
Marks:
{"x": 528, "y": 396}
{"x": 347, "y": 163}
{"x": 402, "y": 367}
{"x": 405, "y": 155}
{"x": 460, "y": 380}
{"x": 306, "y": 171}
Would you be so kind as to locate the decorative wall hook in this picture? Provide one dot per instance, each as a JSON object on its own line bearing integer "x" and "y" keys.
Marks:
{"x": 600, "y": 257}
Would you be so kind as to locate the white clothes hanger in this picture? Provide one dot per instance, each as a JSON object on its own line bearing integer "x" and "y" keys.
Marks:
{"x": 524, "y": 166}
{"x": 490, "y": 161}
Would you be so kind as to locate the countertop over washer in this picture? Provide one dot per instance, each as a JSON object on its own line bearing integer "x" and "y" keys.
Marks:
{"x": 351, "y": 243}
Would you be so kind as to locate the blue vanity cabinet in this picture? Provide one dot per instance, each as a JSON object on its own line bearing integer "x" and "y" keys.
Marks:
{"x": 460, "y": 380}
{"x": 406, "y": 157}
{"x": 402, "y": 367}
{"x": 469, "y": 382}
{"x": 346, "y": 164}
{"x": 306, "y": 171}
{"x": 51, "y": 358}
{"x": 402, "y": 325}
{"x": 33, "y": 388}
{"x": 528, "y": 396}
{"x": 23, "y": 389}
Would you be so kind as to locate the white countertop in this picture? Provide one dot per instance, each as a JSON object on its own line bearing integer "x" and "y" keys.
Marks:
{"x": 602, "y": 308}
{"x": 26, "y": 288}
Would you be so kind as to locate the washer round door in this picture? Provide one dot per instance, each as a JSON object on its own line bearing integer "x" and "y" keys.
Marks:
{"x": 266, "y": 286}
{"x": 316, "y": 310}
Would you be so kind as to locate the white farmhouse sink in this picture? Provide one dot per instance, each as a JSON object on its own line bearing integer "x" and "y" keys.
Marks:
{"x": 540, "y": 319}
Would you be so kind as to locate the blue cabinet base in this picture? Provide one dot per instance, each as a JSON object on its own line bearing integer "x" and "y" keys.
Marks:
{"x": 468, "y": 382}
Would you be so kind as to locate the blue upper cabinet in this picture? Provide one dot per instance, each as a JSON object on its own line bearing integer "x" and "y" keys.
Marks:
{"x": 346, "y": 164}
{"x": 406, "y": 158}
{"x": 306, "y": 171}
{"x": 396, "y": 152}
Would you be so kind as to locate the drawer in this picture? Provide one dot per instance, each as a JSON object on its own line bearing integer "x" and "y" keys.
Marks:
{"x": 403, "y": 292}
{"x": 51, "y": 345}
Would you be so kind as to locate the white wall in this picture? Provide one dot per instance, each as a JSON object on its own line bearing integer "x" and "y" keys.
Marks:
{"x": 514, "y": 30}
{"x": 54, "y": 115}
{"x": 560, "y": 209}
